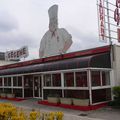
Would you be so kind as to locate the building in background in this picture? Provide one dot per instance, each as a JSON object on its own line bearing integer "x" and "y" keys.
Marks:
{"x": 3, "y": 61}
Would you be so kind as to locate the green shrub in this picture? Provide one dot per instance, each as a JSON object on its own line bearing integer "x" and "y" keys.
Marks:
{"x": 116, "y": 102}
{"x": 116, "y": 92}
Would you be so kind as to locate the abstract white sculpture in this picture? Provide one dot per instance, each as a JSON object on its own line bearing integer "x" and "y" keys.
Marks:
{"x": 56, "y": 40}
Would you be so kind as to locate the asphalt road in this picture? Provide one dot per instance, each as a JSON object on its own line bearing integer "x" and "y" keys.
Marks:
{"x": 106, "y": 113}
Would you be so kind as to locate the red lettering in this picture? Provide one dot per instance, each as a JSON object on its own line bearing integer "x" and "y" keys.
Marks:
{"x": 118, "y": 3}
{"x": 101, "y": 13}
{"x": 21, "y": 52}
{"x": 12, "y": 54}
{"x": 116, "y": 12}
{"x": 24, "y": 50}
{"x": 9, "y": 56}
{"x": 17, "y": 53}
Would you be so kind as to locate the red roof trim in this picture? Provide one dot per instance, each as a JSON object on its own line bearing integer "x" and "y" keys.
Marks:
{"x": 59, "y": 57}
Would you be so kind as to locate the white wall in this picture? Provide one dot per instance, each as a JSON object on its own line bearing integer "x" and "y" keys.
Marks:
{"x": 116, "y": 64}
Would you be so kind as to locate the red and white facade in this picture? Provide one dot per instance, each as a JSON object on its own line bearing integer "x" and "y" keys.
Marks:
{"x": 84, "y": 74}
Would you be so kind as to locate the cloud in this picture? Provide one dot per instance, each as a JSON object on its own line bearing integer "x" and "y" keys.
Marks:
{"x": 84, "y": 40}
{"x": 11, "y": 37}
{"x": 15, "y": 39}
{"x": 7, "y": 22}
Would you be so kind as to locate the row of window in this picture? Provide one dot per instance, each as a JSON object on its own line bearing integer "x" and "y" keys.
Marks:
{"x": 71, "y": 79}
{"x": 17, "y": 81}
{"x": 78, "y": 79}
{"x": 55, "y": 79}
{"x": 99, "y": 95}
{"x": 100, "y": 78}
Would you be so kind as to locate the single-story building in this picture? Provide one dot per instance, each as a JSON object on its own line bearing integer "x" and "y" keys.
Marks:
{"x": 88, "y": 74}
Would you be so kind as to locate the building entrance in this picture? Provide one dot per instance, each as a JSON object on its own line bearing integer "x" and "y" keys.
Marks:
{"x": 37, "y": 87}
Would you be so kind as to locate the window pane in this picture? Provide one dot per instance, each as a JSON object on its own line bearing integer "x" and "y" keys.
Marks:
{"x": 81, "y": 79}
{"x": 69, "y": 79}
{"x": 0, "y": 81}
{"x": 56, "y": 79}
{"x": 17, "y": 92}
{"x": 47, "y": 80}
{"x": 5, "y": 81}
{"x": 52, "y": 92}
{"x": 28, "y": 81}
{"x": 9, "y": 81}
{"x": 101, "y": 95}
{"x": 95, "y": 78}
{"x": 8, "y": 90}
{"x": 19, "y": 81}
{"x": 105, "y": 78}
{"x": 81, "y": 94}
{"x": 14, "y": 81}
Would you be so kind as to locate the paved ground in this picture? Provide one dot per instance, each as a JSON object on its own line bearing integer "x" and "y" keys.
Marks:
{"x": 106, "y": 113}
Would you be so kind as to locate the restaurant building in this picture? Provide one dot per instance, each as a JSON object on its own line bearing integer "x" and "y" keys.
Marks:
{"x": 88, "y": 74}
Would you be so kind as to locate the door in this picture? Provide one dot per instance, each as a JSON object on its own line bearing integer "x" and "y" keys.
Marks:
{"x": 37, "y": 87}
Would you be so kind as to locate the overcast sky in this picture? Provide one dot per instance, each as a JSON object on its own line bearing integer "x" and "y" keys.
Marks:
{"x": 24, "y": 22}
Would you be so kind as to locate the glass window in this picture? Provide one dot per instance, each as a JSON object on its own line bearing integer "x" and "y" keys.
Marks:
{"x": 17, "y": 92}
{"x": 14, "y": 81}
{"x": 7, "y": 81}
{"x": 17, "y": 81}
{"x": 0, "y": 81}
{"x": 105, "y": 78}
{"x": 47, "y": 80}
{"x": 69, "y": 79}
{"x": 81, "y": 79}
{"x": 56, "y": 79}
{"x": 81, "y": 94}
{"x": 28, "y": 81}
{"x": 95, "y": 78}
{"x": 101, "y": 95}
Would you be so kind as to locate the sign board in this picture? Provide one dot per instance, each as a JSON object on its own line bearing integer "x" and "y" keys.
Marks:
{"x": 109, "y": 20}
{"x": 101, "y": 16}
{"x": 16, "y": 54}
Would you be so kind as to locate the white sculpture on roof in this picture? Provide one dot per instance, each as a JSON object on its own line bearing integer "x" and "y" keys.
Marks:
{"x": 56, "y": 40}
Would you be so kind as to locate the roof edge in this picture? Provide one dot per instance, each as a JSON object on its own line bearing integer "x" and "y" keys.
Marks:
{"x": 86, "y": 52}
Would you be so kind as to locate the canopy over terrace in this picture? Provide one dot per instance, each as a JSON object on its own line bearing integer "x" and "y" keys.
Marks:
{"x": 98, "y": 57}
{"x": 98, "y": 61}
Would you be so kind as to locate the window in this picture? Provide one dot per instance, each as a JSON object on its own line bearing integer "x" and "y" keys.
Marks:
{"x": 95, "y": 78}
{"x": 105, "y": 78}
{"x": 56, "y": 79}
{"x": 7, "y": 81}
{"x": 28, "y": 81}
{"x": 81, "y": 79}
{"x": 81, "y": 94}
{"x": 17, "y": 92}
{"x": 101, "y": 95}
{"x": 47, "y": 80}
{"x": 0, "y": 81}
{"x": 17, "y": 81}
{"x": 69, "y": 79}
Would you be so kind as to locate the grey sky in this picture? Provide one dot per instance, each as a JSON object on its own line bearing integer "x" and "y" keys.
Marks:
{"x": 24, "y": 22}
